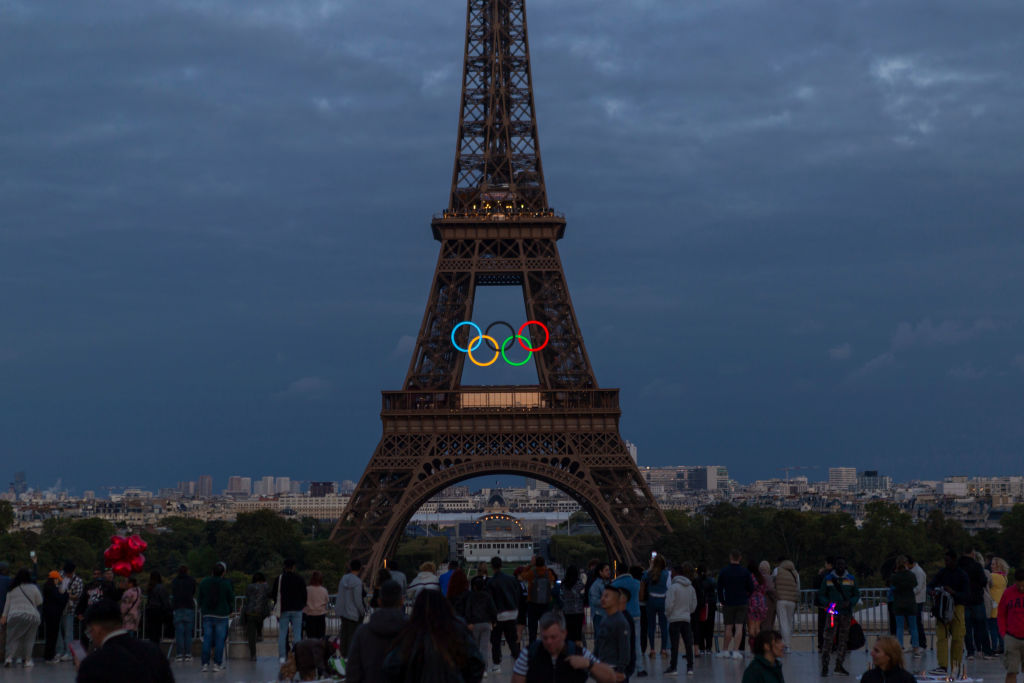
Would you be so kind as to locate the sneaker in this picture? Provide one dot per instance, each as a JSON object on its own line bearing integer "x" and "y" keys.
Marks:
{"x": 970, "y": 658}
{"x": 179, "y": 658}
{"x": 988, "y": 657}
{"x": 495, "y": 668}
{"x": 206, "y": 668}
{"x": 736, "y": 654}
{"x": 216, "y": 667}
{"x": 7, "y": 663}
{"x": 28, "y": 664}
{"x": 938, "y": 671}
{"x": 722, "y": 653}
{"x": 840, "y": 671}
{"x": 188, "y": 658}
{"x": 918, "y": 651}
{"x": 689, "y": 672}
{"x": 670, "y": 672}
{"x": 55, "y": 660}
{"x": 65, "y": 658}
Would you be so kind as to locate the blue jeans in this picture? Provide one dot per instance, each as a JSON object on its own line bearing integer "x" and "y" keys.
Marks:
{"x": 215, "y": 632}
{"x": 912, "y": 618}
{"x": 66, "y": 634}
{"x": 295, "y": 619}
{"x": 993, "y": 635}
{"x": 184, "y": 623}
{"x": 656, "y": 617}
{"x": 638, "y": 645}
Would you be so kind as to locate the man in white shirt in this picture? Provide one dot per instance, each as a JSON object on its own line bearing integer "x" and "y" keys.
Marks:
{"x": 920, "y": 594}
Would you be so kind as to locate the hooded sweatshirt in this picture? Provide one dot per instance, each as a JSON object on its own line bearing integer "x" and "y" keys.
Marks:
{"x": 681, "y": 600}
{"x": 371, "y": 643}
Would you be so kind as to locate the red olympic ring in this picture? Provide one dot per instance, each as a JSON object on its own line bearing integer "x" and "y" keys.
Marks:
{"x": 520, "y": 336}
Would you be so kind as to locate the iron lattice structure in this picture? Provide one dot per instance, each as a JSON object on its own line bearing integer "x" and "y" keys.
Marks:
{"x": 499, "y": 231}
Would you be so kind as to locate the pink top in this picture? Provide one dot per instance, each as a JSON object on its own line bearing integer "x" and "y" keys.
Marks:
{"x": 316, "y": 601}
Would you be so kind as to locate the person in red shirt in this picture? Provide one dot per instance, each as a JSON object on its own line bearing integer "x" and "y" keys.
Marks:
{"x": 1011, "y": 626}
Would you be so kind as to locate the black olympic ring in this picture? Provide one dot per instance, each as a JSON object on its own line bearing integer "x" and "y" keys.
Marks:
{"x": 511, "y": 340}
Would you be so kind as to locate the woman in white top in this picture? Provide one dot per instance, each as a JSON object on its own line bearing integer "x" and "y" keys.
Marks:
{"x": 425, "y": 580}
{"x": 21, "y": 615}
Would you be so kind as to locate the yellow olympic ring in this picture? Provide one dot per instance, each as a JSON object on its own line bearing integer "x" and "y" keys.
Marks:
{"x": 494, "y": 343}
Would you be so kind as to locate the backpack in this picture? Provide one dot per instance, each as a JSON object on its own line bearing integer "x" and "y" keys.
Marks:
{"x": 942, "y": 605}
{"x": 542, "y": 589}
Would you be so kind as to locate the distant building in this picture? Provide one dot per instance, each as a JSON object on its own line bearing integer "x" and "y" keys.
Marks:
{"x": 501, "y": 535}
{"x": 319, "y": 489}
{"x": 239, "y": 486}
{"x": 205, "y": 486}
{"x": 842, "y": 478}
{"x": 283, "y": 485}
{"x": 869, "y": 481}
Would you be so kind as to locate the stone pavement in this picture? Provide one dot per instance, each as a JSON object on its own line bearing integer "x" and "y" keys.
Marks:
{"x": 798, "y": 668}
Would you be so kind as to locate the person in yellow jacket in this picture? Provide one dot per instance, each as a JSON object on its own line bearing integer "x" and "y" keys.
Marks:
{"x": 998, "y": 568}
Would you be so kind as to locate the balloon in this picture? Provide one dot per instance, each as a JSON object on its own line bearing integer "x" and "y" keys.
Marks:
{"x": 137, "y": 544}
{"x": 110, "y": 556}
{"x": 137, "y": 562}
{"x": 122, "y": 568}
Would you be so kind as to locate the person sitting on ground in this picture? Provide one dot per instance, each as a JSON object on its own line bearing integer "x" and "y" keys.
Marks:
{"x": 766, "y": 667}
{"x": 887, "y": 657}
{"x": 372, "y": 640}
{"x": 120, "y": 657}
{"x": 552, "y": 658}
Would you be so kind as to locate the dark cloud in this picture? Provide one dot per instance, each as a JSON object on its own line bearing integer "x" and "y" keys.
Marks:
{"x": 204, "y": 204}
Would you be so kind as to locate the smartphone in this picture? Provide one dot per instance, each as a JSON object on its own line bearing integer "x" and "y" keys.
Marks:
{"x": 654, "y": 554}
{"x": 32, "y": 554}
{"x": 77, "y": 650}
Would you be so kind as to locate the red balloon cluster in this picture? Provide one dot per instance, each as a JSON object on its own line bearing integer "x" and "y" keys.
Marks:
{"x": 124, "y": 555}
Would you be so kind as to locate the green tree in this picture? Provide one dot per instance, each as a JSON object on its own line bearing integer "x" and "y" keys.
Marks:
{"x": 1011, "y": 536}
{"x": 6, "y": 516}
{"x": 255, "y": 536}
{"x": 412, "y": 552}
{"x": 577, "y": 549}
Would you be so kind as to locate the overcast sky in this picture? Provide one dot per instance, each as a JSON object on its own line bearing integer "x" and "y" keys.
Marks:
{"x": 794, "y": 229}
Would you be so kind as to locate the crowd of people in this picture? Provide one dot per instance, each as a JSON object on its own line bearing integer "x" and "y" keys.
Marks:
{"x": 466, "y": 619}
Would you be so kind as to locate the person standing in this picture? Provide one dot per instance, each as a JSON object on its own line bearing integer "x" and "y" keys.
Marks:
{"x": 656, "y": 587}
{"x": 480, "y": 612}
{"x": 255, "y": 609}
{"x": 350, "y": 604}
{"x": 996, "y": 588}
{"x": 72, "y": 586}
{"x": 119, "y": 658}
{"x": 21, "y": 617}
{"x": 183, "y": 604}
{"x": 768, "y": 648}
{"x": 757, "y": 604}
{"x": 920, "y": 595}
{"x": 290, "y": 591}
{"x": 975, "y": 626}
{"x": 442, "y": 581}
{"x": 628, "y": 581}
{"x": 680, "y": 602}
{"x": 158, "y": 608}
{"x": 425, "y": 580}
{"x": 372, "y": 640}
{"x": 540, "y": 585}
{"x": 787, "y": 589}
{"x": 216, "y": 600}
{"x": 131, "y": 607}
{"x": 1010, "y": 619}
{"x": 433, "y": 641}
{"x": 314, "y": 614}
{"x": 601, "y": 574}
{"x": 904, "y": 606}
{"x": 735, "y": 585}
{"x": 822, "y": 573}
{"x": 954, "y": 581}
{"x": 612, "y": 641}
{"x": 573, "y": 601}
{"x": 840, "y": 593}
{"x": 54, "y": 602}
{"x": 706, "y": 618}
{"x": 5, "y": 584}
{"x": 771, "y": 597}
{"x": 505, "y": 591}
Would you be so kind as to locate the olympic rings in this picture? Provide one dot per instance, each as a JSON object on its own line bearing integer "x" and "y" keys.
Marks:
{"x": 493, "y": 343}
{"x": 499, "y": 350}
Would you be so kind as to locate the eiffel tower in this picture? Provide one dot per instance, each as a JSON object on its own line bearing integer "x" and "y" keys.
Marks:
{"x": 499, "y": 230}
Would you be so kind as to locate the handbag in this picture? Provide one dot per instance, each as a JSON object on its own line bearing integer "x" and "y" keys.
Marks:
{"x": 855, "y": 640}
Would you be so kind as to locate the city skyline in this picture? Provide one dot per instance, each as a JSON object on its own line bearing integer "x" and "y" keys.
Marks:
{"x": 787, "y": 247}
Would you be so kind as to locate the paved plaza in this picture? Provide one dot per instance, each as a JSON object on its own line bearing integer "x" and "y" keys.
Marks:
{"x": 798, "y": 667}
